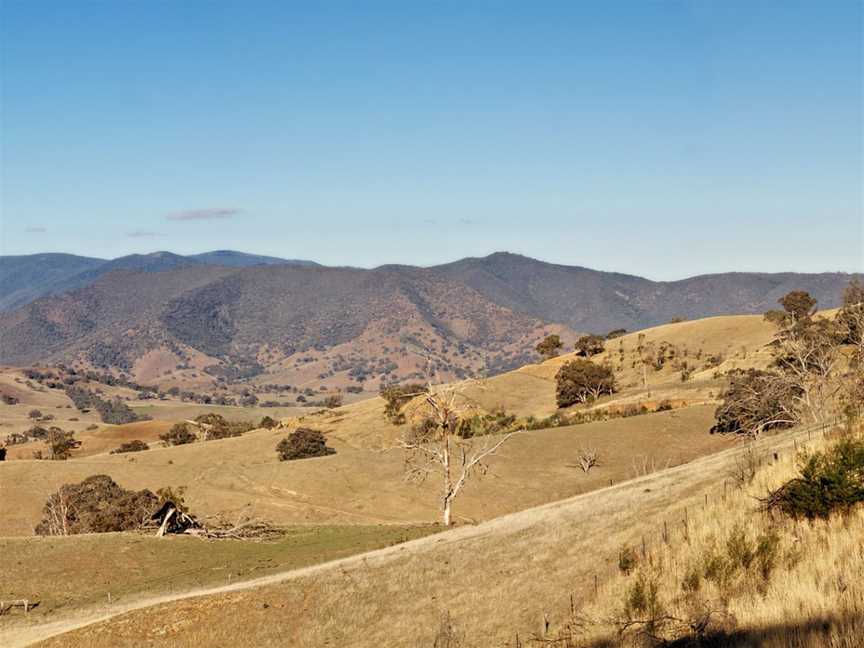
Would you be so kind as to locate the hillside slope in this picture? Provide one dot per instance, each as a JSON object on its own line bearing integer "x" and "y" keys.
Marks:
{"x": 280, "y": 320}
{"x": 514, "y": 574}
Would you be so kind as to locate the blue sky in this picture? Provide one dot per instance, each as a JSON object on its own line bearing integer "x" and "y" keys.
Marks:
{"x": 658, "y": 138}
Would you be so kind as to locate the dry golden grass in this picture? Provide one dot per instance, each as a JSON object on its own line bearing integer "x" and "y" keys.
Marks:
{"x": 104, "y": 439}
{"x": 812, "y": 596}
{"x": 495, "y": 579}
{"x": 361, "y": 486}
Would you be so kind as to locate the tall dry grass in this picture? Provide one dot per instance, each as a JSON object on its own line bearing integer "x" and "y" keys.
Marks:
{"x": 732, "y": 575}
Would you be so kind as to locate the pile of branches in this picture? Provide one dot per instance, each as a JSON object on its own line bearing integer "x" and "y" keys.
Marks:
{"x": 241, "y": 529}
{"x": 99, "y": 505}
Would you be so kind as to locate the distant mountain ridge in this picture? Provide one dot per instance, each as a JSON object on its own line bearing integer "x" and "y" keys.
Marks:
{"x": 592, "y": 300}
{"x": 25, "y": 278}
{"x": 255, "y": 316}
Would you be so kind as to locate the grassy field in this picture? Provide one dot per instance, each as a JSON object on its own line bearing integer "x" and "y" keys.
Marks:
{"x": 175, "y": 411}
{"x": 66, "y": 574}
{"x": 510, "y": 575}
{"x": 364, "y": 486}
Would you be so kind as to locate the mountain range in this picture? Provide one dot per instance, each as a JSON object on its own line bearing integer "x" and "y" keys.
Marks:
{"x": 27, "y": 277}
{"x": 226, "y": 314}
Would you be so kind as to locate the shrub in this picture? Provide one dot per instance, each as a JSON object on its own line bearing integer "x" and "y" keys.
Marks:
{"x": 303, "y": 443}
{"x": 179, "y": 434}
{"x": 581, "y": 381}
{"x": 664, "y": 406}
{"x": 627, "y": 559}
{"x": 396, "y": 396}
{"x": 496, "y": 422}
{"x": 34, "y": 414}
{"x": 268, "y": 423}
{"x": 616, "y": 333}
{"x": 333, "y": 401}
{"x": 131, "y": 446}
{"x": 96, "y": 505}
{"x": 37, "y": 432}
{"x": 767, "y": 553}
{"x": 740, "y": 549}
{"x": 830, "y": 481}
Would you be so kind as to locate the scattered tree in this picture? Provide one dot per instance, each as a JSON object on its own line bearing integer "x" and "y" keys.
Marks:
{"x": 616, "y": 333}
{"x": 179, "y": 434}
{"x": 803, "y": 380}
{"x": 549, "y": 347}
{"x": 434, "y": 446}
{"x": 58, "y": 445}
{"x": 589, "y": 345}
{"x": 34, "y": 414}
{"x": 303, "y": 443}
{"x": 799, "y": 305}
{"x": 582, "y": 381}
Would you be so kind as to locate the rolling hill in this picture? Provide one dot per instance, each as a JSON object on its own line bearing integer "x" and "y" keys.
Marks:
{"x": 663, "y": 482}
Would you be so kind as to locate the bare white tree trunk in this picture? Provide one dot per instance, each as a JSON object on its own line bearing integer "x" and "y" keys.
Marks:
{"x": 432, "y": 451}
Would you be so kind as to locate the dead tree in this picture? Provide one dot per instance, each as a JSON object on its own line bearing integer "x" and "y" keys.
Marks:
{"x": 434, "y": 446}
{"x": 588, "y": 458}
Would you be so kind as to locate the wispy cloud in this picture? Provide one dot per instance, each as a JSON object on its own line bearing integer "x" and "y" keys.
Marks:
{"x": 35, "y": 230}
{"x": 467, "y": 221}
{"x": 212, "y": 213}
{"x": 142, "y": 234}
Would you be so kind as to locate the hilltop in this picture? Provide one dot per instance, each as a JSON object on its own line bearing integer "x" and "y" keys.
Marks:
{"x": 595, "y": 301}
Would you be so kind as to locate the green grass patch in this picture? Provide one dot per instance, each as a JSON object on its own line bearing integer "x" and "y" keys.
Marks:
{"x": 70, "y": 572}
